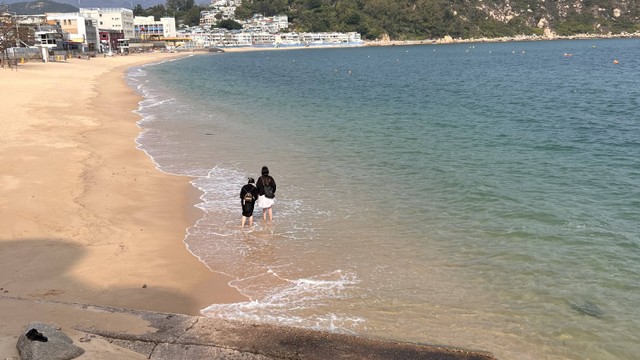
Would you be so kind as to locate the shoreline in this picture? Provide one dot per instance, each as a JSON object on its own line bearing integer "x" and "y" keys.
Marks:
{"x": 80, "y": 215}
{"x": 89, "y": 246}
{"x": 442, "y": 41}
{"x": 506, "y": 39}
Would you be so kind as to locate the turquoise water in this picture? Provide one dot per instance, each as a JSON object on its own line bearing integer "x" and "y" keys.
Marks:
{"x": 483, "y": 196}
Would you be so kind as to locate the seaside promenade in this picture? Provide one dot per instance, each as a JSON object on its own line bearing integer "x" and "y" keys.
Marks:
{"x": 89, "y": 228}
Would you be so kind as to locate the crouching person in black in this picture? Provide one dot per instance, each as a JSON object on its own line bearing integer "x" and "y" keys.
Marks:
{"x": 248, "y": 197}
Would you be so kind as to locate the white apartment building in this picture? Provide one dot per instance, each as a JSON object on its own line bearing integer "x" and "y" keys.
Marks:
{"x": 211, "y": 17}
{"x": 220, "y": 10}
{"x": 112, "y": 20}
{"x": 146, "y": 27}
{"x": 208, "y": 18}
{"x": 281, "y": 21}
{"x": 81, "y": 30}
{"x": 260, "y": 23}
{"x": 224, "y": 38}
{"x": 329, "y": 38}
{"x": 234, "y": 3}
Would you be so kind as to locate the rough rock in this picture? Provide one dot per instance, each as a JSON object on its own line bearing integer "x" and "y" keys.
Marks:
{"x": 176, "y": 337}
{"x": 57, "y": 347}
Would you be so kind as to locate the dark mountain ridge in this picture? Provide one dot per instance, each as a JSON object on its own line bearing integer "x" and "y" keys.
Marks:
{"x": 37, "y": 7}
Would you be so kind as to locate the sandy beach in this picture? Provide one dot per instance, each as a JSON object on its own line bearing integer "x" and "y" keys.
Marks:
{"x": 85, "y": 217}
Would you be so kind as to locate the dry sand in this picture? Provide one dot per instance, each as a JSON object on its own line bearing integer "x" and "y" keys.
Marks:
{"x": 85, "y": 217}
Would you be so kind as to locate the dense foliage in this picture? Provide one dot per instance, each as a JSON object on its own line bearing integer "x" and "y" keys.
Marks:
{"x": 429, "y": 19}
{"x": 229, "y": 25}
{"x": 186, "y": 12}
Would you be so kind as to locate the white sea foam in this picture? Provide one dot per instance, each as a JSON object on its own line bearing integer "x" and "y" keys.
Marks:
{"x": 296, "y": 302}
{"x": 277, "y": 289}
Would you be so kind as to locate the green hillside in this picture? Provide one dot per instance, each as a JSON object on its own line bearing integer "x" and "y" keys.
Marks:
{"x": 414, "y": 19}
{"x": 430, "y": 19}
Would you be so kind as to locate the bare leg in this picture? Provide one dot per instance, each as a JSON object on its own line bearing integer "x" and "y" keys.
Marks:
{"x": 251, "y": 220}
{"x": 243, "y": 220}
{"x": 270, "y": 214}
{"x": 264, "y": 214}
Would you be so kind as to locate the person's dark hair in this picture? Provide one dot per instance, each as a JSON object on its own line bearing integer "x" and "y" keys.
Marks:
{"x": 251, "y": 181}
{"x": 265, "y": 170}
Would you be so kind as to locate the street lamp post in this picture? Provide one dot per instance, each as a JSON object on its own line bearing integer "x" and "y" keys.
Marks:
{"x": 17, "y": 31}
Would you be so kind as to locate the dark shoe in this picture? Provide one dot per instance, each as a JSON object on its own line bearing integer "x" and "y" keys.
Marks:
{"x": 36, "y": 335}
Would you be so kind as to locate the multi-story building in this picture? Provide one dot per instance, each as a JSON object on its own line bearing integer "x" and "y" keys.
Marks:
{"x": 272, "y": 24}
{"x": 208, "y": 18}
{"x": 147, "y": 28}
{"x": 219, "y": 10}
{"x": 83, "y": 34}
{"x": 199, "y": 38}
{"x": 113, "y": 24}
{"x": 213, "y": 16}
{"x": 234, "y": 3}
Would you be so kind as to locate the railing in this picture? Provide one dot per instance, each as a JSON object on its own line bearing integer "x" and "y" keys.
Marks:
{"x": 22, "y": 53}
{"x": 11, "y": 57}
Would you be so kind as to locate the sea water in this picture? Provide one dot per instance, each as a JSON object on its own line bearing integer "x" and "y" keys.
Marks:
{"x": 485, "y": 196}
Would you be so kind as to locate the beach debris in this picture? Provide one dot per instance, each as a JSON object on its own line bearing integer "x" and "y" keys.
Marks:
{"x": 46, "y": 342}
{"x": 87, "y": 338}
{"x": 36, "y": 335}
{"x": 144, "y": 286}
{"x": 588, "y": 308}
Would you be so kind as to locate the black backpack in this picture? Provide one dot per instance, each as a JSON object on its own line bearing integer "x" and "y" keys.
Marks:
{"x": 268, "y": 190}
{"x": 248, "y": 196}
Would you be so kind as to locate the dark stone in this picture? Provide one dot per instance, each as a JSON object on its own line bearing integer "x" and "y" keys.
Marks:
{"x": 588, "y": 308}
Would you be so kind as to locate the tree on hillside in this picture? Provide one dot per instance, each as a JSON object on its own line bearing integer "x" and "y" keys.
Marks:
{"x": 229, "y": 25}
{"x": 264, "y": 7}
{"x": 180, "y": 5}
{"x": 191, "y": 17}
{"x": 139, "y": 11}
{"x": 157, "y": 12}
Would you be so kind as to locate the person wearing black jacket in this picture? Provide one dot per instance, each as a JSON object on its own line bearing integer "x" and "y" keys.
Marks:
{"x": 267, "y": 190}
{"x": 248, "y": 196}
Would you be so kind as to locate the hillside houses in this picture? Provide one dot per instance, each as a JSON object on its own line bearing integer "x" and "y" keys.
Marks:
{"x": 259, "y": 31}
{"x": 117, "y": 30}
